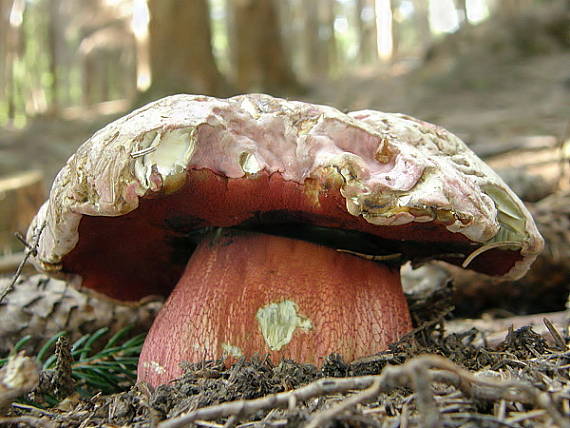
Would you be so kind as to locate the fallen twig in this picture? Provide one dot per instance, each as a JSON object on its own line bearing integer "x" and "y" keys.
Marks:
{"x": 245, "y": 407}
{"x": 418, "y": 372}
{"x": 26, "y": 420}
{"x": 367, "y": 394}
{"x": 556, "y": 337}
{"x": 31, "y": 250}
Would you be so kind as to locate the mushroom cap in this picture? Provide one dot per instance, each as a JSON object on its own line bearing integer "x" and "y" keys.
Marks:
{"x": 388, "y": 175}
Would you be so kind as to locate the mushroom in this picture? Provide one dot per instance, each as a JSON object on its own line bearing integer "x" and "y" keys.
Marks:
{"x": 275, "y": 227}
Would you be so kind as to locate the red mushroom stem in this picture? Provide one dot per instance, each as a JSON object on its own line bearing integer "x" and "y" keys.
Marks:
{"x": 243, "y": 292}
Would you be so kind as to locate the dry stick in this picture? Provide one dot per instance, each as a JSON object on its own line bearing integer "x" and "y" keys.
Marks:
{"x": 26, "y": 420}
{"x": 562, "y": 162}
{"x": 232, "y": 420}
{"x": 525, "y": 416}
{"x": 244, "y": 407}
{"x": 208, "y": 424}
{"x": 421, "y": 380}
{"x": 321, "y": 418}
{"x": 30, "y": 251}
{"x": 558, "y": 341}
{"x": 469, "y": 384}
{"x": 414, "y": 371}
{"x": 477, "y": 417}
{"x": 445, "y": 372}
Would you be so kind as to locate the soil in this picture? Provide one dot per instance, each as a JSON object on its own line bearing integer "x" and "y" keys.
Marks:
{"x": 538, "y": 364}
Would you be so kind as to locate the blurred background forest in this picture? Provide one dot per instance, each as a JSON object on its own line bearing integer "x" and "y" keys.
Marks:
{"x": 69, "y": 58}
{"x": 492, "y": 71}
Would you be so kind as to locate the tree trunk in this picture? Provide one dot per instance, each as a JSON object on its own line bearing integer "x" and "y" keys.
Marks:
{"x": 385, "y": 30}
{"x": 14, "y": 8}
{"x": 5, "y": 6}
{"x": 422, "y": 25}
{"x": 22, "y": 195}
{"x": 319, "y": 38}
{"x": 286, "y": 15}
{"x": 258, "y": 54}
{"x": 328, "y": 15}
{"x": 366, "y": 27}
{"x": 181, "y": 55}
{"x": 396, "y": 36}
{"x": 54, "y": 26}
{"x": 315, "y": 60}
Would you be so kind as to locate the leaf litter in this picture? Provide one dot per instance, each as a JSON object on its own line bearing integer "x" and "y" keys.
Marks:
{"x": 430, "y": 378}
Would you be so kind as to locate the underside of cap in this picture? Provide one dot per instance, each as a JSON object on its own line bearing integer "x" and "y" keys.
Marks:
{"x": 187, "y": 162}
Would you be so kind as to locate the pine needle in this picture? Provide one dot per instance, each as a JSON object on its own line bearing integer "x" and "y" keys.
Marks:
{"x": 109, "y": 369}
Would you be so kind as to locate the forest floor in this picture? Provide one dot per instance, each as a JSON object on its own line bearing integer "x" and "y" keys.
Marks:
{"x": 480, "y": 101}
{"x": 430, "y": 378}
{"x": 520, "y": 381}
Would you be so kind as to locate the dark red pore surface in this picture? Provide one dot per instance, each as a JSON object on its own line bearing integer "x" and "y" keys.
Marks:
{"x": 145, "y": 252}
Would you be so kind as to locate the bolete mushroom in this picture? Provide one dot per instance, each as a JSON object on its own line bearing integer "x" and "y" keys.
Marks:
{"x": 317, "y": 210}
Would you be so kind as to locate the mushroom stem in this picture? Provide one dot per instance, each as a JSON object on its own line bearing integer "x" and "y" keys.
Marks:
{"x": 244, "y": 293}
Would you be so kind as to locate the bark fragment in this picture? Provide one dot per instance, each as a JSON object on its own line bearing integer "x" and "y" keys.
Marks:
{"x": 41, "y": 307}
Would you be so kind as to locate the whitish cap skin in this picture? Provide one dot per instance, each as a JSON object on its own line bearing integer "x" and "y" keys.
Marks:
{"x": 394, "y": 169}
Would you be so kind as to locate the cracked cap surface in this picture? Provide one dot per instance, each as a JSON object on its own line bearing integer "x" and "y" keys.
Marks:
{"x": 390, "y": 172}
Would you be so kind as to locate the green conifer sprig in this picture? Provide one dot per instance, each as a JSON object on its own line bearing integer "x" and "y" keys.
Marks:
{"x": 107, "y": 369}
